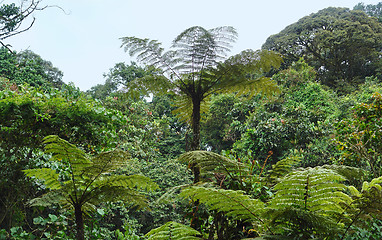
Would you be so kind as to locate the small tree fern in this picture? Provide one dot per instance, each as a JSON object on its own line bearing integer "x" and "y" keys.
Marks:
{"x": 308, "y": 202}
{"x": 90, "y": 181}
{"x": 173, "y": 231}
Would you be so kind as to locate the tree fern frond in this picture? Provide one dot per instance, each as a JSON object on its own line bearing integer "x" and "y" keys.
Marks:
{"x": 199, "y": 48}
{"x": 311, "y": 224}
{"x": 138, "y": 182}
{"x": 312, "y": 189}
{"x": 243, "y": 72}
{"x": 62, "y": 149}
{"x": 282, "y": 168}
{"x": 150, "y": 52}
{"x": 234, "y": 204}
{"x": 368, "y": 201}
{"x": 108, "y": 162}
{"x": 173, "y": 231}
{"x": 156, "y": 84}
{"x": 49, "y": 199}
{"x": 352, "y": 174}
{"x": 47, "y": 175}
{"x": 210, "y": 163}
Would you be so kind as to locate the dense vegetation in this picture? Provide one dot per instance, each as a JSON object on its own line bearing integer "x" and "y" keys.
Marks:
{"x": 190, "y": 143}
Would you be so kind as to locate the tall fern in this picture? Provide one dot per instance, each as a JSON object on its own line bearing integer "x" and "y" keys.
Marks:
{"x": 91, "y": 180}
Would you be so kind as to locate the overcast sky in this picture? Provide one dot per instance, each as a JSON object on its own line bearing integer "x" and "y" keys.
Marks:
{"x": 84, "y": 42}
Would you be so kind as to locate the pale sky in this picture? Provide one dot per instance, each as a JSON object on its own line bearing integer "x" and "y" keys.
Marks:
{"x": 85, "y": 44}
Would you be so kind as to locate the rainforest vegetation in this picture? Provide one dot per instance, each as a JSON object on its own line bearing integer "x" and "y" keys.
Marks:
{"x": 190, "y": 142}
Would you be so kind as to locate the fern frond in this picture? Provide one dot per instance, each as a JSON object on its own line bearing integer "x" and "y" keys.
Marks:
{"x": 138, "y": 182}
{"x": 368, "y": 201}
{"x": 173, "y": 231}
{"x": 234, "y": 204}
{"x": 243, "y": 72}
{"x": 282, "y": 168}
{"x": 107, "y": 162}
{"x": 210, "y": 163}
{"x": 49, "y": 199}
{"x": 47, "y": 175}
{"x": 63, "y": 150}
{"x": 313, "y": 189}
{"x": 350, "y": 173}
{"x": 306, "y": 222}
{"x": 156, "y": 84}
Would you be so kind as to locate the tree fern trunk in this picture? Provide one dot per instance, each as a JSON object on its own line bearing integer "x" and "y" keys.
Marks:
{"x": 79, "y": 223}
{"x": 195, "y": 124}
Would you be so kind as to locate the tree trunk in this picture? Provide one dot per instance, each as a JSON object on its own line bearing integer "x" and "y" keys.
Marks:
{"x": 195, "y": 124}
{"x": 195, "y": 143}
{"x": 79, "y": 223}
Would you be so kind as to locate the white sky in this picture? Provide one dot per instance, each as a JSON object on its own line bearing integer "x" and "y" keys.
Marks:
{"x": 85, "y": 43}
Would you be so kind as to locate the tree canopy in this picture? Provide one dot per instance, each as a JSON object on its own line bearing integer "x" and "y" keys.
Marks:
{"x": 343, "y": 45}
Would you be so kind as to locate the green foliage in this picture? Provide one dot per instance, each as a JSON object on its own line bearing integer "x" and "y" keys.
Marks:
{"x": 282, "y": 168}
{"x": 27, "y": 67}
{"x": 366, "y": 203}
{"x": 299, "y": 118}
{"x": 359, "y": 137}
{"x": 371, "y": 10}
{"x": 218, "y": 129}
{"x": 118, "y": 78}
{"x": 173, "y": 230}
{"x": 342, "y": 45}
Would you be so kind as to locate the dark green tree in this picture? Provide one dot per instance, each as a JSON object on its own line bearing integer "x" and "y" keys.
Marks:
{"x": 29, "y": 62}
{"x": 27, "y": 67}
{"x": 342, "y": 45}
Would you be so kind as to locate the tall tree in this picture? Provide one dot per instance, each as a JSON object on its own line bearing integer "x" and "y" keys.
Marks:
{"x": 196, "y": 67}
{"x": 343, "y": 45}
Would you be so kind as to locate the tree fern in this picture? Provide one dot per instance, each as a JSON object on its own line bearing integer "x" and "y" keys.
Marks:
{"x": 91, "y": 180}
{"x": 314, "y": 196}
{"x": 197, "y": 66}
{"x": 173, "y": 230}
